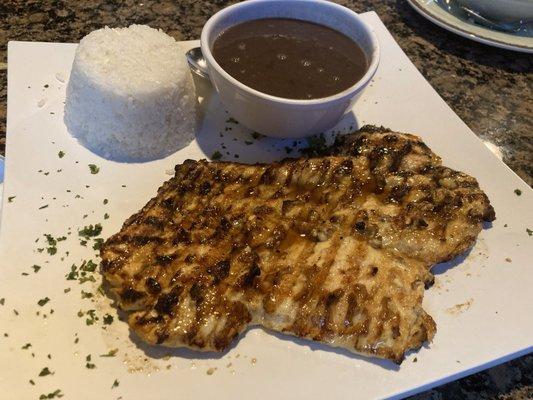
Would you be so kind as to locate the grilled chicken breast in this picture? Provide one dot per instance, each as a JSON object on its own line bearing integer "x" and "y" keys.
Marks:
{"x": 335, "y": 248}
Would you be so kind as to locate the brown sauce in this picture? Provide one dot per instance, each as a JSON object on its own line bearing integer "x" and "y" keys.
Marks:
{"x": 290, "y": 58}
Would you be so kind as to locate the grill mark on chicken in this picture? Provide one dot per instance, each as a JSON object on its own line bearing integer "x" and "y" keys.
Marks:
{"x": 336, "y": 248}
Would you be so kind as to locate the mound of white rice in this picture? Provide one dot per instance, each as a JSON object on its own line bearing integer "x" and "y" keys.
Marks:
{"x": 130, "y": 95}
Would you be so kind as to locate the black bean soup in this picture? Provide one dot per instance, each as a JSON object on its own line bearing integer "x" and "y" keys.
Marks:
{"x": 290, "y": 58}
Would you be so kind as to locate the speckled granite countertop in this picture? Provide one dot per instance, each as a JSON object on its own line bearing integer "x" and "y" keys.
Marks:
{"x": 490, "y": 89}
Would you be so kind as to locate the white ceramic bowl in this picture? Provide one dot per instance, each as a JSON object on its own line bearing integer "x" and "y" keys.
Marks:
{"x": 502, "y": 10}
{"x": 276, "y": 116}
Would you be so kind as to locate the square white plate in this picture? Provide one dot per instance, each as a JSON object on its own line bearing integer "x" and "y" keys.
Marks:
{"x": 483, "y": 305}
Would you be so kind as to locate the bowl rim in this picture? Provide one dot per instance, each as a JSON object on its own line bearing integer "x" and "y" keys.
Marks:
{"x": 349, "y": 92}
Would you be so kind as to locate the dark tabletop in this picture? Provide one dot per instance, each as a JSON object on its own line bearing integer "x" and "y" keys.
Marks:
{"x": 490, "y": 89}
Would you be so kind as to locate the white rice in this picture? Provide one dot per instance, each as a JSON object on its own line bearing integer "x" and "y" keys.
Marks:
{"x": 130, "y": 95}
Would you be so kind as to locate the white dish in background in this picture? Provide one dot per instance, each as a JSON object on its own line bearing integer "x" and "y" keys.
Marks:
{"x": 480, "y": 304}
{"x": 456, "y": 22}
{"x": 498, "y": 10}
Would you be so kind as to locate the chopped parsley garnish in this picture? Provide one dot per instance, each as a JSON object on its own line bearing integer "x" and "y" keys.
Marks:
{"x": 106, "y": 201}
{"x": 92, "y": 317}
{"x": 108, "y": 319}
{"x": 216, "y": 155}
{"x": 257, "y": 135}
{"x": 115, "y": 384}
{"x": 94, "y": 169}
{"x": 89, "y": 365}
{"x": 110, "y": 353}
{"x": 61, "y": 154}
{"x": 43, "y": 207}
{"x": 10, "y": 199}
{"x": 16, "y": 312}
{"x": 32, "y": 382}
{"x": 51, "y": 249}
{"x": 85, "y": 278}
{"x": 90, "y": 231}
{"x": 45, "y": 371}
{"x": 529, "y": 231}
{"x": 36, "y": 268}
{"x": 316, "y": 145}
{"x": 88, "y": 266}
{"x": 232, "y": 120}
{"x": 518, "y": 192}
{"x": 248, "y": 143}
{"x": 106, "y": 216}
{"x": 42, "y": 302}
{"x": 98, "y": 242}
{"x": 86, "y": 295}
{"x": 66, "y": 290}
{"x": 55, "y": 394}
{"x": 2, "y": 301}
{"x": 26, "y": 346}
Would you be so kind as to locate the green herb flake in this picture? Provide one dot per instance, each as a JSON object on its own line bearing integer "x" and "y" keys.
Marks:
{"x": 43, "y": 207}
{"x": 84, "y": 279}
{"x": 316, "y": 146}
{"x": 90, "y": 231}
{"x": 61, "y": 154}
{"x": 73, "y": 274}
{"x": 88, "y": 266}
{"x": 32, "y": 382}
{"x": 2, "y": 301}
{"x": 55, "y": 394}
{"x": 94, "y": 169}
{"x": 24, "y": 274}
{"x": 106, "y": 216}
{"x": 257, "y": 135}
{"x": 26, "y": 346}
{"x": 232, "y": 120}
{"x": 105, "y": 201}
{"x": 89, "y": 365}
{"x": 10, "y": 199}
{"x": 115, "y": 384}
{"x": 518, "y": 192}
{"x": 110, "y": 353}
{"x": 45, "y": 371}
{"x": 98, "y": 243}
{"x": 216, "y": 155}
{"x": 108, "y": 319}
{"x": 86, "y": 295}
{"x": 42, "y": 302}
{"x": 36, "y": 268}
{"x": 529, "y": 231}
{"x": 15, "y": 312}
{"x": 92, "y": 318}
